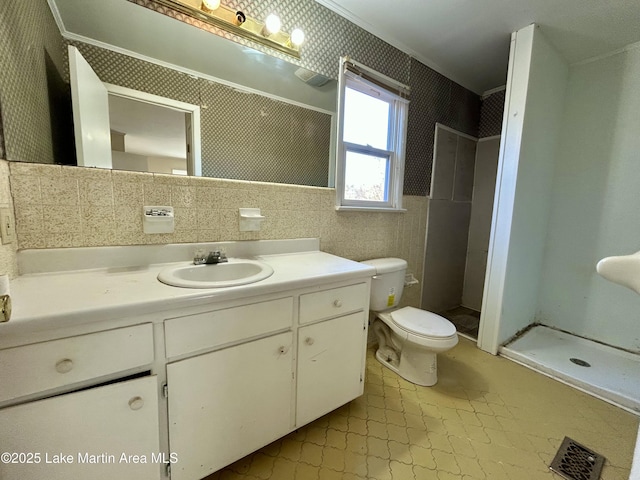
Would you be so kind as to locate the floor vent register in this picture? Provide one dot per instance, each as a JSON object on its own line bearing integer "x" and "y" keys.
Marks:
{"x": 576, "y": 462}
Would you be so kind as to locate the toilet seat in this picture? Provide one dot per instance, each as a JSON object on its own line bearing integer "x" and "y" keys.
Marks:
{"x": 423, "y": 324}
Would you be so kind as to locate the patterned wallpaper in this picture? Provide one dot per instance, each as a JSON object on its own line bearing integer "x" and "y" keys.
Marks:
{"x": 30, "y": 62}
{"x": 434, "y": 99}
{"x": 329, "y": 36}
{"x": 243, "y": 136}
{"x": 265, "y": 140}
{"x": 491, "y": 114}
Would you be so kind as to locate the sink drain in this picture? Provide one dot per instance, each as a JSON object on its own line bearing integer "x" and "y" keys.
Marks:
{"x": 576, "y": 462}
{"x": 580, "y": 362}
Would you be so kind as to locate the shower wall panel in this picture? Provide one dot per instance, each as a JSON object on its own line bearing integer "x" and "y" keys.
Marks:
{"x": 484, "y": 185}
{"x": 448, "y": 220}
{"x": 595, "y": 203}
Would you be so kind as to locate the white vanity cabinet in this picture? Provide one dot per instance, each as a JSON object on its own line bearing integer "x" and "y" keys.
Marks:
{"x": 331, "y": 353}
{"x": 330, "y": 365}
{"x": 273, "y": 366}
{"x": 227, "y": 403}
{"x": 101, "y": 433}
{"x": 76, "y": 405}
{"x": 134, "y": 379}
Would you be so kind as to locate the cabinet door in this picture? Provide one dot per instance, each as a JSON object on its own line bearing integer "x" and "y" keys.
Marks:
{"x": 227, "y": 404}
{"x": 330, "y": 365}
{"x": 89, "y": 431}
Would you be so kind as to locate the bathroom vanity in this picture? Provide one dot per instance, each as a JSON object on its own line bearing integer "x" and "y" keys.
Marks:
{"x": 108, "y": 373}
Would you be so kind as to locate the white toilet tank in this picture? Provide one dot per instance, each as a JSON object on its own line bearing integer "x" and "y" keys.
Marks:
{"x": 388, "y": 283}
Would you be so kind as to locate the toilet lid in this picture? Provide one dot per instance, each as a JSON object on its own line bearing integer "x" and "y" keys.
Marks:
{"x": 423, "y": 323}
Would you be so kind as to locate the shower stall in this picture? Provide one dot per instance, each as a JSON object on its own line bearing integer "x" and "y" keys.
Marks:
{"x": 463, "y": 183}
{"x": 567, "y": 195}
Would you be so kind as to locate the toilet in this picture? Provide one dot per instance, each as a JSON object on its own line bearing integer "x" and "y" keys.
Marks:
{"x": 408, "y": 338}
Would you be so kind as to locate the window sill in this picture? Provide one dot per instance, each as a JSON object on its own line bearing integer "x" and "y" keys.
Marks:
{"x": 343, "y": 208}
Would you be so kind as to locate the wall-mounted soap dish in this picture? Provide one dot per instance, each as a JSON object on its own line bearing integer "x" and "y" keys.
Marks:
{"x": 250, "y": 219}
{"x": 158, "y": 219}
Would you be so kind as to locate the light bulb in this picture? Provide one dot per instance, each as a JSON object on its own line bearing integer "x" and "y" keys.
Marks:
{"x": 297, "y": 37}
{"x": 272, "y": 24}
{"x": 210, "y": 5}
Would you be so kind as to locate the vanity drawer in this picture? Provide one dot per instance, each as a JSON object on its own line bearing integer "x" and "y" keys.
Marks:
{"x": 44, "y": 366}
{"x": 211, "y": 329}
{"x": 333, "y": 302}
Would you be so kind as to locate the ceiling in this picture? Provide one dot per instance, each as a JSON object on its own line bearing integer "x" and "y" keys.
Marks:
{"x": 465, "y": 40}
{"x": 468, "y": 40}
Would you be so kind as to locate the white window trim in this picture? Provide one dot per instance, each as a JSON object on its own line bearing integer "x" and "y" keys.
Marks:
{"x": 398, "y": 131}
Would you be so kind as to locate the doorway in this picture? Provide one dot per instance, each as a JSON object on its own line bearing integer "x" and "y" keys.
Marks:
{"x": 156, "y": 125}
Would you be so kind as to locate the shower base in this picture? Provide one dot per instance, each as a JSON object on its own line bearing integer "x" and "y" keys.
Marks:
{"x": 467, "y": 321}
{"x": 613, "y": 374}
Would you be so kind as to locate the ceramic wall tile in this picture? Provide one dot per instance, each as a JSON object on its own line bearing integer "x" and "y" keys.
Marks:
{"x": 95, "y": 192}
{"x": 29, "y": 219}
{"x": 33, "y": 219}
{"x": 128, "y": 193}
{"x": 157, "y": 194}
{"x": 59, "y": 190}
{"x": 109, "y": 212}
{"x": 137, "y": 177}
{"x": 26, "y": 189}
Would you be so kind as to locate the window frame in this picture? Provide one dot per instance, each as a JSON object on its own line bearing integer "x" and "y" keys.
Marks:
{"x": 398, "y": 115}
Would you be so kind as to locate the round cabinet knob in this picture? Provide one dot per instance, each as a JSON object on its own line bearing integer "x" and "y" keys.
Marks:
{"x": 309, "y": 341}
{"x": 136, "y": 403}
{"x": 65, "y": 365}
{"x": 283, "y": 350}
{"x": 337, "y": 303}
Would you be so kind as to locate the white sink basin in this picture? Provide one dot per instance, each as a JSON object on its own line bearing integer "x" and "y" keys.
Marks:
{"x": 230, "y": 274}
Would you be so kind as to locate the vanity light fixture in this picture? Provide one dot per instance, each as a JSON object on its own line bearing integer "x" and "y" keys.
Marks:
{"x": 272, "y": 25}
{"x": 236, "y": 22}
{"x": 210, "y": 5}
{"x": 297, "y": 37}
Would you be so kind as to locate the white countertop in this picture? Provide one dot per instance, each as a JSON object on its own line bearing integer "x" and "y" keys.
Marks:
{"x": 43, "y": 301}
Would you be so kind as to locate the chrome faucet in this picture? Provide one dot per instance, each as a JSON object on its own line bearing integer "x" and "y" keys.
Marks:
{"x": 211, "y": 258}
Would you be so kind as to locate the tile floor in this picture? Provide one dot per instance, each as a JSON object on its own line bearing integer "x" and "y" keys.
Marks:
{"x": 487, "y": 418}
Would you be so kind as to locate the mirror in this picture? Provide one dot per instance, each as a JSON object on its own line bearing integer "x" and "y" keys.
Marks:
{"x": 118, "y": 127}
{"x": 148, "y": 138}
{"x": 229, "y": 81}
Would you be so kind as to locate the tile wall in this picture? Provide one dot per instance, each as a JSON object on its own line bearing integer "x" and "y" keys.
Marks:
{"x": 8, "y": 264}
{"x": 62, "y": 206}
{"x": 2, "y": 150}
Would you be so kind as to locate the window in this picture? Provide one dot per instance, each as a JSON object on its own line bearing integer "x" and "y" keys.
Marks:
{"x": 372, "y": 125}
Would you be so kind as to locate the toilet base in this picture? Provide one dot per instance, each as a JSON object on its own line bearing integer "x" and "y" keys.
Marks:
{"x": 416, "y": 365}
